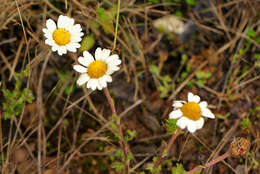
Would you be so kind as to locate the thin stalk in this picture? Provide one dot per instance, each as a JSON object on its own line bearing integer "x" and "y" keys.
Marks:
{"x": 169, "y": 145}
{"x": 117, "y": 22}
{"x": 118, "y": 125}
{"x": 211, "y": 163}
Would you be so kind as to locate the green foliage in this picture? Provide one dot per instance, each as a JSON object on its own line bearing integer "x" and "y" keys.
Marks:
{"x": 246, "y": 123}
{"x": 251, "y": 33}
{"x": 166, "y": 82}
{"x": 219, "y": 116}
{"x": 118, "y": 163}
{"x": 105, "y": 18}
{"x": 151, "y": 166}
{"x": 87, "y": 43}
{"x": 191, "y": 2}
{"x": 178, "y": 13}
{"x": 178, "y": 170}
{"x": 15, "y": 99}
{"x": 131, "y": 135}
{"x": 154, "y": 1}
{"x": 118, "y": 166}
{"x": 171, "y": 126}
{"x": 201, "y": 78}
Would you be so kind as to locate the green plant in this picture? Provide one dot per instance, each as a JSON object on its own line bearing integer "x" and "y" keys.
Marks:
{"x": 105, "y": 18}
{"x": 178, "y": 169}
{"x": 165, "y": 85}
{"x": 15, "y": 99}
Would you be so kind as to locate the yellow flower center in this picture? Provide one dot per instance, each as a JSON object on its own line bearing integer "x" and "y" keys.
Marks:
{"x": 61, "y": 36}
{"x": 191, "y": 110}
{"x": 97, "y": 69}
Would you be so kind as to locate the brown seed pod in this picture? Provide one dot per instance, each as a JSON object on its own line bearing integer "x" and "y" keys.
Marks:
{"x": 239, "y": 147}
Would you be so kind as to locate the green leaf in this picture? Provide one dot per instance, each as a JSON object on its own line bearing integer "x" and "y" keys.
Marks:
{"x": 118, "y": 166}
{"x": 191, "y": 2}
{"x": 202, "y": 75}
{"x": 171, "y": 126}
{"x": 178, "y": 170}
{"x": 154, "y": 69}
{"x": 246, "y": 123}
{"x": 250, "y": 32}
{"x": 154, "y": 1}
{"x": 87, "y": 43}
{"x": 105, "y": 17}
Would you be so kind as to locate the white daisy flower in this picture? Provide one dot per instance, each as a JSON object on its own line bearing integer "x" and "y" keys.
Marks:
{"x": 65, "y": 36}
{"x": 189, "y": 114}
{"x": 97, "y": 72}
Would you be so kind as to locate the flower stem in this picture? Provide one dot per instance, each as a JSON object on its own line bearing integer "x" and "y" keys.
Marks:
{"x": 169, "y": 145}
{"x": 211, "y": 163}
{"x": 117, "y": 22}
{"x": 118, "y": 125}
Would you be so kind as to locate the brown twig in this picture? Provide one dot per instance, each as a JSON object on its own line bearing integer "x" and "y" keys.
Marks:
{"x": 169, "y": 145}
{"x": 118, "y": 125}
{"x": 211, "y": 163}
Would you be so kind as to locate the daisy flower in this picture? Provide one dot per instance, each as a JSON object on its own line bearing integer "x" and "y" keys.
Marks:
{"x": 65, "y": 36}
{"x": 97, "y": 72}
{"x": 189, "y": 114}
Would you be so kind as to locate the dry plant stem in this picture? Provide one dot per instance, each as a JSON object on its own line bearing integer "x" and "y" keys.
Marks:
{"x": 169, "y": 145}
{"x": 122, "y": 142}
{"x": 211, "y": 163}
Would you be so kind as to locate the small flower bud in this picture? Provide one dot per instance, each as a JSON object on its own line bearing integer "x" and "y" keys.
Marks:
{"x": 239, "y": 147}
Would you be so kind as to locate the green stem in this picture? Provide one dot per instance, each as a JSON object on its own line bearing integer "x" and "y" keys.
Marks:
{"x": 169, "y": 145}
{"x": 119, "y": 129}
{"x": 117, "y": 22}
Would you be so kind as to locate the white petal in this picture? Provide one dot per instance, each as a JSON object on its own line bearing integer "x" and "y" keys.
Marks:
{"x": 71, "y": 47}
{"x": 207, "y": 113}
{"x": 80, "y": 69}
{"x": 182, "y": 122}
{"x": 203, "y": 104}
{"x": 175, "y": 114}
{"x": 49, "y": 42}
{"x": 63, "y": 49}
{"x": 108, "y": 78}
{"x": 76, "y": 28}
{"x": 112, "y": 58}
{"x": 196, "y": 98}
{"x": 83, "y": 78}
{"x": 113, "y": 68}
{"x": 88, "y": 57}
{"x": 105, "y": 53}
{"x": 94, "y": 84}
{"x": 200, "y": 123}
{"x": 51, "y": 25}
{"x": 53, "y": 48}
{"x": 191, "y": 126}
{"x": 75, "y": 37}
{"x": 99, "y": 86}
{"x": 102, "y": 82}
{"x": 65, "y": 22}
{"x": 193, "y": 98}
{"x": 98, "y": 53}
{"x": 177, "y": 104}
{"x": 83, "y": 61}
{"x": 60, "y": 51}
{"x": 91, "y": 84}
{"x": 190, "y": 96}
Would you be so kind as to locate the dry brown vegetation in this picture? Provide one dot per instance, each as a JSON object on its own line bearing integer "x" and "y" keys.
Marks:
{"x": 67, "y": 129}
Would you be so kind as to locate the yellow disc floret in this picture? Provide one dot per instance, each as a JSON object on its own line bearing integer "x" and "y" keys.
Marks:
{"x": 97, "y": 69}
{"x": 191, "y": 110}
{"x": 61, "y": 36}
